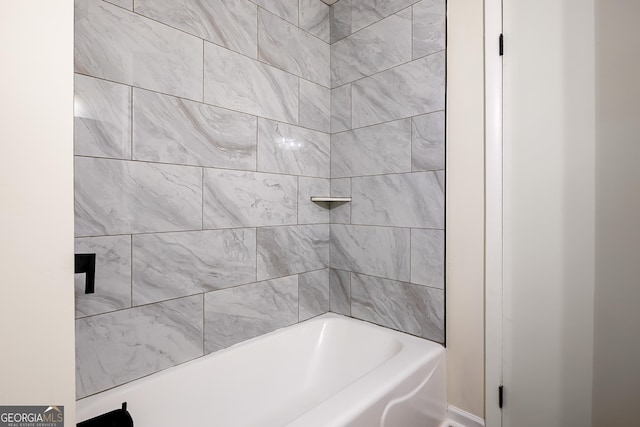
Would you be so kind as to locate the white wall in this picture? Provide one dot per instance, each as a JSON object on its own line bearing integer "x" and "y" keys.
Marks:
{"x": 465, "y": 206}
{"x": 617, "y": 314}
{"x": 36, "y": 186}
{"x": 549, "y": 150}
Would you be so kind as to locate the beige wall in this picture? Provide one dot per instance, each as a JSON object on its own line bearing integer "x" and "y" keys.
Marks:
{"x": 617, "y": 311}
{"x": 36, "y": 186}
{"x": 549, "y": 205}
{"x": 465, "y": 206}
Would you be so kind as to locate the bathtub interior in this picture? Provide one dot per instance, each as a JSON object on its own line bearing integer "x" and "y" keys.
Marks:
{"x": 268, "y": 381}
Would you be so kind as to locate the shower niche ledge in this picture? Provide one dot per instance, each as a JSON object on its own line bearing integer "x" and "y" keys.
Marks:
{"x": 330, "y": 199}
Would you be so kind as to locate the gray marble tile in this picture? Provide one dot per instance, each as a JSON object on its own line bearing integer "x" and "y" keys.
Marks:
{"x": 341, "y": 108}
{"x": 314, "y": 18}
{"x": 429, "y": 27}
{"x": 243, "y": 84}
{"x": 286, "y": 9}
{"x": 340, "y": 291}
{"x": 340, "y": 211}
{"x": 119, "y": 347}
{"x": 248, "y": 199}
{"x": 313, "y": 212}
{"x": 175, "y": 130}
{"x": 115, "y": 44}
{"x": 404, "y": 91}
{"x": 228, "y": 23}
{"x": 404, "y": 200}
{"x": 289, "y": 250}
{"x": 366, "y": 12}
{"x": 427, "y": 257}
{"x": 292, "y": 150}
{"x": 113, "y": 275}
{"x": 289, "y": 48}
{"x": 171, "y": 265}
{"x": 313, "y": 294}
{"x": 315, "y": 106}
{"x": 384, "y": 148}
{"x": 121, "y": 197}
{"x": 383, "y": 45}
{"x": 409, "y": 308}
{"x": 340, "y": 20}
{"x": 238, "y": 314}
{"x": 379, "y": 251}
{"x": 127, "y": 4}
{"x": 428, "y": 146}
{"x": 102, "y": 118}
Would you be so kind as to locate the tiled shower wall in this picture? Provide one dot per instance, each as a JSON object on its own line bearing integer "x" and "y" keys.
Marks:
{"x": 388, "y": 153}
{"x": 201, "y": 130}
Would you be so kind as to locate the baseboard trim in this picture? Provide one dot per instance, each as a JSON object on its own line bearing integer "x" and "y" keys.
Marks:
{"x": 460, "y": 418}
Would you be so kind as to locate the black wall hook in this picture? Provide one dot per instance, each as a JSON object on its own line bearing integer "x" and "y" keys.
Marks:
{"x": 86, "y": 263}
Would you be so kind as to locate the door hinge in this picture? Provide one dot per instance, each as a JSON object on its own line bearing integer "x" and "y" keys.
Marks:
{"x": 501, "y": 396}
{"x": 501, "y": 44}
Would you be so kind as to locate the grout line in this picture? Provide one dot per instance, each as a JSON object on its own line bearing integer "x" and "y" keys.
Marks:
{"x": 131, "y": 268}
{"x": 202, "y": 197}
{"x": 387, "y": 122}
{"x": 204, "y": 325}
{"x": 131, "y": 122}
{"x": 411, "y": 40}
{"x": 203, "y": 71}
{"x": 209, "y": 104}
{"x": 391, "y": 68}
{"x": 257, "y": 244}
{"x": 152, "y": 162}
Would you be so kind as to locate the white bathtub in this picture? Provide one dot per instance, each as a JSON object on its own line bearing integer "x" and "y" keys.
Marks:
{"x": 328, "y": 371}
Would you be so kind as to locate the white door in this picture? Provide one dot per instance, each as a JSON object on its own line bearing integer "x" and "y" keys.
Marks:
{"x": 548, "y": 214}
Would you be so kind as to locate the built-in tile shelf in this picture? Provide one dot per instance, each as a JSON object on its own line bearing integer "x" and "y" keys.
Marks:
{"x": 330, "y": 199}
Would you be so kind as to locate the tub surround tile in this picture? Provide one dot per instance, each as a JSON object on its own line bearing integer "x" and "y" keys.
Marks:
{"x": 411, "y": 89}
{"x": 340, "y": 211}
{"x": 248, "y": 199}
{"x": 414, "y": 309}
{"x": 102, "y": 118}
{"x": 238, "y": 314}
{"x": 427, "y": 257}
{"x": 383, "y": 45}
{"x": 288, "y": 149}
{"x": 286, "y": 9}
{"x": 115, "y": 44}
{"x": 313, "y": 212}
{"x": 118, "y": 347}
{"x": 315, "y": 106}
{"x": 290, "y": 250}
{"x": 366, "y": 12}
{"x": 228, "y": 23}
{"x": 340, "y": 291}
{"x": 171, "y": 265}
{"x": 428, "y": 149}
{"x": 379, "y": 149}
{"x": 313, "y": 293}
{"x": 429, "y": 22}
{"x": 314, "y": 18}
{"x": 122, "y": 197}
{"x": 341, "y": 108}
{"x": 340, "y": 20}
{"x": 242, "y": 84}
{"x": 378, "y": 251}
{"x": 113, "y": 275}
{"x": 403, "y": 200}
{"x": 289, "y": 48}
{"x": 175, "y": 130}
